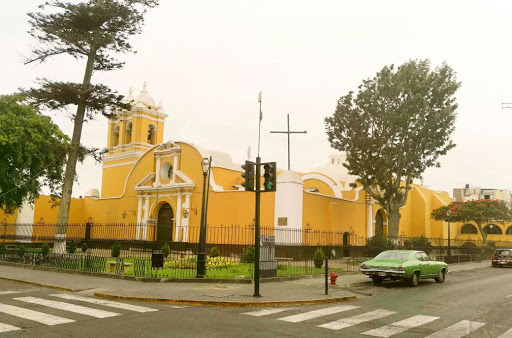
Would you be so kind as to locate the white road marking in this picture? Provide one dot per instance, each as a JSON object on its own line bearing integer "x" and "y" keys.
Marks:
{"x": 68, "y": 307}
{"x": 401, "y": 326}
{"x": 265, "y": 312}
{"x": 7, "y": 328}
{"x": 507, "y": 334}
{"x": 458, "y": 330}
{"x": 106, "y": 303}
{"x": 318, "y": 313}
{"x": 8, "y": 292}
{"x": 35, "y": 316}
{"x": 350, "y": 321}
{"x": 176, "y": 306}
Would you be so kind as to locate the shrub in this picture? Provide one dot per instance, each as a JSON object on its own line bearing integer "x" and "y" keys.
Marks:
{"x": 420, "y": 242}
{"x": 166, "y": 250}
{"x": 377, "y": 244}
{"x": 319, "y": 258}
{"x": 116, "y": 250}
{"x": 214, "y": 251}
{"x": 84, "y": 247}
{"x": 249, "y": 254}
{"x": 2, "y": 248}
{"x": 72, "y": 247}
{"x": 45, "y": 249}
{"x": 21, "y": 250}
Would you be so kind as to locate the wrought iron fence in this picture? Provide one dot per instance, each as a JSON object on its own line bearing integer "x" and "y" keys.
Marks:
{"x": 229, "y": 249}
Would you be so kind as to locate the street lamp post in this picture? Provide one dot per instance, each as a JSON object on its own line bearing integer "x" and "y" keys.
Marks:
{"x": 449, "y": 213}
{"x": 201, "y": 254}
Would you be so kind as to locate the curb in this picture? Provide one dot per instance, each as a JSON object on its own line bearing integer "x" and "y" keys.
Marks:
{"x": 40, "y": 284}
{"x": 217, "y": 303}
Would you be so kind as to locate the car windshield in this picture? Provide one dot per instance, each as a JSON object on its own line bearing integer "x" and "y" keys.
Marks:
{"x": 392, "y": 255}
{"x": 502, "y": 253}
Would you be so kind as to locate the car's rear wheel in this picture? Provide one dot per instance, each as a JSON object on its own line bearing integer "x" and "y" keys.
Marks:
{"x": 415, "y": 279}
{"x": 376, "y": 280}
{"x": 441, "y": 276}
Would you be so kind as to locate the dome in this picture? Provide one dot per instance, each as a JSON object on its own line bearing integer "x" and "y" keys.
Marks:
{"x": 335, "y": 169}
{"x": 144, "y": 97}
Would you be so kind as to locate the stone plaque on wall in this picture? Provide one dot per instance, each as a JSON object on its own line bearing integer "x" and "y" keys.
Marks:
{"x": 282, "y": 221}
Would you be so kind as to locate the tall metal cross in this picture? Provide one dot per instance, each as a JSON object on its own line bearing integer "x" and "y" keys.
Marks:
{"x": 288, "y": 132}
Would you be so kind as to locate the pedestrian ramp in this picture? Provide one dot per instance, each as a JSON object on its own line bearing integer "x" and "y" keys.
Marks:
{"x": 22, "y": 307}
{"x": 372, "y": 319}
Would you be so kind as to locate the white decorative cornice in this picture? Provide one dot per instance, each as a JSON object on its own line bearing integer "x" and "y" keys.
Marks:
{"x": 119, "y": 164}
{"x": 122, "y": 156}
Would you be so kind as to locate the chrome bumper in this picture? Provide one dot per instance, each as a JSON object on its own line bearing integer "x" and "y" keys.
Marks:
{"x": 387, "y": 272}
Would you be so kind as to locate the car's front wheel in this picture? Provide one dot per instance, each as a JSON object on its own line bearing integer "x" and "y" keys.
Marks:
{"x": 441, "y": 276}
{"x": 415, "y": 279}
{"x": 376, "y": 280}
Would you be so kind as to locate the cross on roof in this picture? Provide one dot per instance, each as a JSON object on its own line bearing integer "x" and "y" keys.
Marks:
{"x": 288, "y": 132}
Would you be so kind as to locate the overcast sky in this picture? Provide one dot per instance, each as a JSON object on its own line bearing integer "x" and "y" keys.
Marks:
{"x": 207, "y": 60}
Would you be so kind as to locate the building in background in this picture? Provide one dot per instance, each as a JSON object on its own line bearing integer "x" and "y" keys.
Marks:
{"x": 157, "y": 185}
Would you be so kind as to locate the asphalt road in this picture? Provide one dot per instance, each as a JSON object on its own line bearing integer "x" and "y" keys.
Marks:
{"x": 477, "y": 303}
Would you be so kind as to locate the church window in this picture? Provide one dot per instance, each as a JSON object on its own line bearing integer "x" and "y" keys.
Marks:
{"x": 115, "y": 137}
{"x": 166, "y": 171}
{"x": 509, "y": 230}
{"x": 468, "y": 229}
{"x": 151, "y": 134}
{"x": 128, "y": 132}
{"x": 492, "y": 229}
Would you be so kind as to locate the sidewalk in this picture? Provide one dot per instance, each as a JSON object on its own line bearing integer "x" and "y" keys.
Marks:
{"x": 303, "y": 291}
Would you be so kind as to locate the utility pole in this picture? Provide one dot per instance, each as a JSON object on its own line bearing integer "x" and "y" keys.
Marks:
{"x": 288, "y": 132}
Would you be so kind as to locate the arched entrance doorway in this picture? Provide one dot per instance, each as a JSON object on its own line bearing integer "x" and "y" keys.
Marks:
{"x": 164, "y": 226}
{"x": 379, "y": 224}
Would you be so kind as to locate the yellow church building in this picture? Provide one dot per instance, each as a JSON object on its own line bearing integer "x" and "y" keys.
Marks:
{"x": 158, "y": 185}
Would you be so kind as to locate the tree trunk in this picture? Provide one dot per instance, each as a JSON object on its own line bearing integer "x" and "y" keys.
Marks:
{"x": 67, "y": 187}
{"x": 483, "y": 233}
{"x": 393, "y": 222}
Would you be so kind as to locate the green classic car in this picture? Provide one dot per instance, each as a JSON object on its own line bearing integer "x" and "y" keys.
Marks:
{"x": 409, "y": 265}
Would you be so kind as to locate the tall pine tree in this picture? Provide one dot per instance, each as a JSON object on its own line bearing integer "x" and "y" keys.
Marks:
{"x": 93, "y": 30}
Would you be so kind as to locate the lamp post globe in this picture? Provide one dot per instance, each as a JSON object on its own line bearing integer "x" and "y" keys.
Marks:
{"x": 201, "y": 253}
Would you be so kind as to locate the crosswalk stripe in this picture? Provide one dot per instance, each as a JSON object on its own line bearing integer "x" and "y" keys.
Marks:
{"x": 109, "y": 303}
{"x": 7, "y": 328}
{"x": 458, "y": 330}
{"x": 35, "y": 316}
{"x": 265, "y": 312}
{"x": 68, "y": 307}
{"x": 318, "y": 313}
{"x": 507, "y": 334}
{"x": 8, "y": 292}
{"x": 401, "y": 326}
{"x": 350, "y": 321}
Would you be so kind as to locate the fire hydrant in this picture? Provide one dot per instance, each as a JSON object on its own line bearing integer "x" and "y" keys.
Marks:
{"x": 334, "y": 276}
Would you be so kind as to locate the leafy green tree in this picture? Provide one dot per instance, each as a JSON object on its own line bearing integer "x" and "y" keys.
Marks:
{"x": 91, "y": 30}
{"x": 394, "y": 128}
{"x": 479, "y": 211}
{"x": 33, "y": 152}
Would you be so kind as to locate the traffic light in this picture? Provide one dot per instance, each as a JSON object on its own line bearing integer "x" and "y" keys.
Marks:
{"x": 248, "y": 176}
{"x": 270, "y": 176}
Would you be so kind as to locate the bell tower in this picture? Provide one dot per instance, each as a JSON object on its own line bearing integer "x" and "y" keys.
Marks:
{"x": 130, "y": 134}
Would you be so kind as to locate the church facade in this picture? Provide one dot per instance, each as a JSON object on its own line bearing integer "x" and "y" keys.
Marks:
{"x": 146, "y": 180}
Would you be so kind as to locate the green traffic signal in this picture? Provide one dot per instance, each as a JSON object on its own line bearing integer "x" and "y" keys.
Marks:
{"x": 270, "y": 176}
